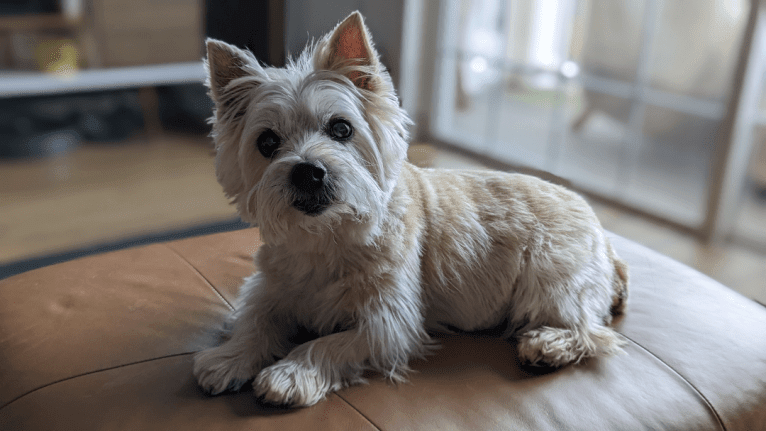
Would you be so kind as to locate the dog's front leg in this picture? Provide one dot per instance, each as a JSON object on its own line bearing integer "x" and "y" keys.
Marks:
{"x": 258, "y": 337}
{"x": 387, "y": 335}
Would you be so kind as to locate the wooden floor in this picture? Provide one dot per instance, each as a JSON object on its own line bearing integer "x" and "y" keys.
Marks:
{"x": 109, "y": 191}
{"x": 105, "y": 192}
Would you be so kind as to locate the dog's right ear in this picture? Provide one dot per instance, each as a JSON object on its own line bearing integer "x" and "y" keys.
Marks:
{"x": 225, "y": 63}
{"x": 232, "y": 74}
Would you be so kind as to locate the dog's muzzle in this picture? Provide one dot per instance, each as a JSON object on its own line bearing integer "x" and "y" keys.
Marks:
{"x": 312, "y": 188}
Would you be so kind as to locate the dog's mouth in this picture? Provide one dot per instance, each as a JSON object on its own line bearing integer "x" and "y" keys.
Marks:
{"x": 313, "y": 206}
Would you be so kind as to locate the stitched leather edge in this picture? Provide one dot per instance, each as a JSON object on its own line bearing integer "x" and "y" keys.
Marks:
{"x": 152, "y": 360}
{"x": 701, "y": 395}
{"x": 189, "y": 264}
{"x": 358, "y": 411}
{"x": 92, "y": 372}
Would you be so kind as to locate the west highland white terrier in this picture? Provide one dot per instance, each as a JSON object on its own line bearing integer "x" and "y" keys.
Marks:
{"x": 372, "y": 253}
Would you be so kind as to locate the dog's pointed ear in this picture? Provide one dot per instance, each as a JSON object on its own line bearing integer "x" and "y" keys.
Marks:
{"x": 349, "y": 50}
{"x": 226, "y": 63}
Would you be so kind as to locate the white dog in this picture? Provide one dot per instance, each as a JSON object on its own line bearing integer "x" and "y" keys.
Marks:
{"x": 370, "y": 252}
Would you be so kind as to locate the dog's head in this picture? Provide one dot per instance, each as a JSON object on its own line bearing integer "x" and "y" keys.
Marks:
{"x": 313, "y": 147}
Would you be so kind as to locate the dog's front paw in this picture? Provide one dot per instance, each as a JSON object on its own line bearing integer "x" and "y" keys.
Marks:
{"x": 221, "y": 369}
{"x": 291, "y": 383}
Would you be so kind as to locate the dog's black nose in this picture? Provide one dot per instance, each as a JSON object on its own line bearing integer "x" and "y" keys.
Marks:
{"x": 307, "y": 177}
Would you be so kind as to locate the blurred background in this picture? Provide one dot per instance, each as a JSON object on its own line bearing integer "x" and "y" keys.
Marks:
{"x": 655, "y": 110}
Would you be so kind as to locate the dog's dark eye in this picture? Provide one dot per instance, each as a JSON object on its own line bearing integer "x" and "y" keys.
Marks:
{"x": 340, "y": 129}
{"x": 268, "y": 143}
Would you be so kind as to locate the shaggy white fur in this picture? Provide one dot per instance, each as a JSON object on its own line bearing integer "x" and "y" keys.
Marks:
{"x": 371, "y": 252}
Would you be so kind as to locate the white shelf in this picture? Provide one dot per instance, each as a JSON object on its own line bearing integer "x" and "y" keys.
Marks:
{"x": 35, "y": 84}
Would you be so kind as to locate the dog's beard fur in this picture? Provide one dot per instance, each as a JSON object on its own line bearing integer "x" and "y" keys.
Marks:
{"x": 383, "y": 251}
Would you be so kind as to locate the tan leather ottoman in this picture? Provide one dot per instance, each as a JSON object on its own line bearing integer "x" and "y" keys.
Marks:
{"x": 106, "y": 342}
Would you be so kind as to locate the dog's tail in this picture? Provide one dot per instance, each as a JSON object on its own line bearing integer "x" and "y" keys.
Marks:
{"x": 619, "y": 282}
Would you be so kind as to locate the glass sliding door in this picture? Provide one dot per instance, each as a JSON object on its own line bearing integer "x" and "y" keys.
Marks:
{"x": 625, "y": 98}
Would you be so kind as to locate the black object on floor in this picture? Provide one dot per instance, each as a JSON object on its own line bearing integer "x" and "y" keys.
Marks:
{"x": 40, "y": 126}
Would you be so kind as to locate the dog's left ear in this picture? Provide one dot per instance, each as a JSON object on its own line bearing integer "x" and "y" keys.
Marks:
{"x": 349, "y": 50}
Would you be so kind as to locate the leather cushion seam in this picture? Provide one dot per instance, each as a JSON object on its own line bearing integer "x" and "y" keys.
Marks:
{"x": 358, "y": 411}
{"x": 92, "y": 372}
{"x": 699, "y": 393}
{"x": 146, "y": 361}
{"x": 218, "y": 293}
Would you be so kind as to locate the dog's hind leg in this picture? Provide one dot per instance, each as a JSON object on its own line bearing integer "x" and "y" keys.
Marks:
{"x": 567, "y": 307}
{"x": 556, "y": 347}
